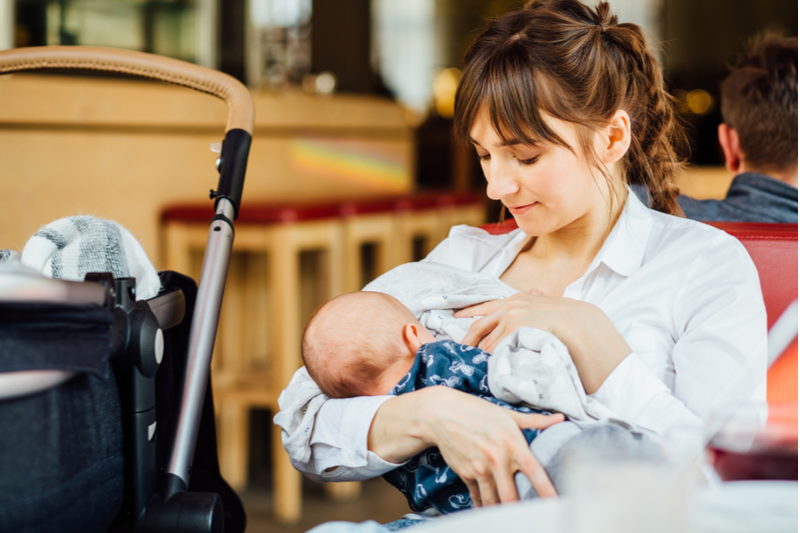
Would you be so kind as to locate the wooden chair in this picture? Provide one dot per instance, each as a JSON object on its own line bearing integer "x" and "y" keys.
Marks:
{"x": 263, "y": 295}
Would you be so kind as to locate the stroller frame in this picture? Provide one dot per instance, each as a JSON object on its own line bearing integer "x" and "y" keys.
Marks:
{"x": 158, "y": 504}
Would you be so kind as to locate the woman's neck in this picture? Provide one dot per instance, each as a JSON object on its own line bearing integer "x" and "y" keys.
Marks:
{"x": 580, "y": 241}
{"x": 550, "y": 262}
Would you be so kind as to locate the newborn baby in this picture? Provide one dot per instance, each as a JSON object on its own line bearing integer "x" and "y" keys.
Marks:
{"x": 368, "y": 343}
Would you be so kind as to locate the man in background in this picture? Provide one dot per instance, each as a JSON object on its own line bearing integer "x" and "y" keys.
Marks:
{"x": 758, "y": 137}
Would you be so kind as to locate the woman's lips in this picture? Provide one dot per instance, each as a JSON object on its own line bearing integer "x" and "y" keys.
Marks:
{"x": 521, "y": 209}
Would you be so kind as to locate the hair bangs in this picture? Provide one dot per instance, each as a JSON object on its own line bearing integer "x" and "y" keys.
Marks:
{"x": 505, "y": 82}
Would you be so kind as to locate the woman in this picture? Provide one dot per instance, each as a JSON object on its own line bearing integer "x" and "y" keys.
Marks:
{"x": 565, "y": 107}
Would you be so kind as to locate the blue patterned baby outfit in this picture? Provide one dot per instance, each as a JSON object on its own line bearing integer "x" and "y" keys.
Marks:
{"x": 426, "y": 480}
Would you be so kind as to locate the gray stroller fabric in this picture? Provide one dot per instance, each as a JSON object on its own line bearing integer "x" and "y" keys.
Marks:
{"x": 61, "y": 462}
{"x": 38, "y": 336}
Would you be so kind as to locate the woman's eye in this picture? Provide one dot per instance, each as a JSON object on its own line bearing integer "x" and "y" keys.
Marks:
{"x": 484, "y": 157}
{"x": 530, "y": 161}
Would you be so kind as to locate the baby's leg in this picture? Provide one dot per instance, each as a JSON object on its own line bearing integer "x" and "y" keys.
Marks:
{"x": 545, "y": 447}
{"x": 553, "y": 445}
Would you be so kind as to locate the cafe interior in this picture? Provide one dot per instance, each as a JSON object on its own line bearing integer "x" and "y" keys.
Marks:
{"x": 346, "y": 108}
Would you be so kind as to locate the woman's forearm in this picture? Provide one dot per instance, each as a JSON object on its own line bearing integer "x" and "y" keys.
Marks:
{"x": 594, "y": 343}
{"x": 398, "y": 431}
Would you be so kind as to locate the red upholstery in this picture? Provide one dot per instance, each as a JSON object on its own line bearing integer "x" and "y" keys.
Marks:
{"x": 773, "y": 248}
{"x": 270, "y": 213}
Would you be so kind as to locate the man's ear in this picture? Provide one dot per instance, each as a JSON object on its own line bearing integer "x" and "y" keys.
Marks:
{"x": 615, "y": 138}
{"x": 411, "y": 336}
{"x": 729, "y": 141}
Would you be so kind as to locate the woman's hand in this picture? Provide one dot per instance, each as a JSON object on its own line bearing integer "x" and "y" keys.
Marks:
{"x": 501, "y": 318}
{"x": 480, "y": 441}
{"x": 592, "y": 340}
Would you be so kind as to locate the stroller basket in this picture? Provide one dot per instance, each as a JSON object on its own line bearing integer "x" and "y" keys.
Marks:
{"x": 135, "y": 335}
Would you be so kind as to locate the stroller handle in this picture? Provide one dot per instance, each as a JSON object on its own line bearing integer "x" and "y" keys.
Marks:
{"x": 236, "y": 95}
{"x": 238, "y": 131}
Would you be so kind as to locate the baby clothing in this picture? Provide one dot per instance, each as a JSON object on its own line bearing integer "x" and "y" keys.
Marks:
{"x": 426, "y": 480}
{"x": 530, "y": 365}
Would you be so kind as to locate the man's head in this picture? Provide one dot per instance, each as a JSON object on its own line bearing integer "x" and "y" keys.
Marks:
{"x": 759, "y": 108}
{"x": 361, "y": 344}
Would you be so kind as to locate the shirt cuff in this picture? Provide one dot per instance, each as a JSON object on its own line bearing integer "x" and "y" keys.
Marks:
{"x": 339, "y": 442}
{"x": 629, "y": 389}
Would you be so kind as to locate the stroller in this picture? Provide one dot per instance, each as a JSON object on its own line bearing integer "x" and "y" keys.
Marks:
{"x": 128, "y": 419}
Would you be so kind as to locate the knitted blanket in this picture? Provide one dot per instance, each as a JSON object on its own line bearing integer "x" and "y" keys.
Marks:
{"x": 71, "y": 247}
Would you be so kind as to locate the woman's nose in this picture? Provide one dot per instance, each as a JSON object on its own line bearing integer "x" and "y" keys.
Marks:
{"x": 499, "y": 182}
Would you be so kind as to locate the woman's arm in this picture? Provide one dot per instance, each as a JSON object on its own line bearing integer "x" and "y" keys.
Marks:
{"x": 719, "y": 358}
{"x": 359, "y": 438}
{"x": 592, "y": 340}
{"x": 480, "y": 441}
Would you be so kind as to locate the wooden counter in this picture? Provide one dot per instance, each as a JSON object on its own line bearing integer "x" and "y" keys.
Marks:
{"x": 123, "y": 149}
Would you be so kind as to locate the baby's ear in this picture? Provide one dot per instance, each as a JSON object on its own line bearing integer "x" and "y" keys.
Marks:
{"x": 411, "y": 337}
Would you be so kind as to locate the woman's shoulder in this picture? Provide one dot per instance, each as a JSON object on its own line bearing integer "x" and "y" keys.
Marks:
{"x": 682, "y": 239}
{"x": 470, "y": 248}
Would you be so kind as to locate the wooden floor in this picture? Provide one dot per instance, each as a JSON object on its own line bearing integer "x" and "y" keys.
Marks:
{"x": 379, "y": 501}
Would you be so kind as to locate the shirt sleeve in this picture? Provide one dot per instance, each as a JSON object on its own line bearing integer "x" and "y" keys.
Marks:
{"x": 719, "y": 357}
{"x": 339, "y": 442}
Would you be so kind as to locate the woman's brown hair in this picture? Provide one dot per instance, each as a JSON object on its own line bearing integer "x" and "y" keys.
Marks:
{"x": 579, "y": 65}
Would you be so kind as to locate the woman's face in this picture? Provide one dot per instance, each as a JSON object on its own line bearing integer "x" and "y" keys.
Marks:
{"x": 547, "y": 188}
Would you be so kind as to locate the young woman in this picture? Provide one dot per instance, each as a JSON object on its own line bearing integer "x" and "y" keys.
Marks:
{"x": 564, "y": 107}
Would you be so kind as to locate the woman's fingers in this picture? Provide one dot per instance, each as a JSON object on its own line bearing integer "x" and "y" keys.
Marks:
{"x": 535, "y": 420}
{"x": 479, "y": 329}
{"x": 474, "y": 492}
{"x": 506, "y": 488}
{"x": 480, "y": 309}
{"x": 538, "y": 477}
{"x": 488, "y": 490}
{"x": 528, "y": 465}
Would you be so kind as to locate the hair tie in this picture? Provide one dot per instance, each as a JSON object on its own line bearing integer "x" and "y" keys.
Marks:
{"x": 602, "y": 28}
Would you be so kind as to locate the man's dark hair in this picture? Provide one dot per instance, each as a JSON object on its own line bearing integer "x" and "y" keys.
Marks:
{"x": 759, "y": 101}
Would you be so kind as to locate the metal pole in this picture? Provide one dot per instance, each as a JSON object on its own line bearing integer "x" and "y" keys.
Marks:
{"x": 201, "y": 340}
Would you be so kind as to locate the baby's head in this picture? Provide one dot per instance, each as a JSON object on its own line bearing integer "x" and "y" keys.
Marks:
{"x": 361, "y": 344}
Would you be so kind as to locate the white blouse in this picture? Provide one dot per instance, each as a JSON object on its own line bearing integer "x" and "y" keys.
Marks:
{"x": 684, "y": 296}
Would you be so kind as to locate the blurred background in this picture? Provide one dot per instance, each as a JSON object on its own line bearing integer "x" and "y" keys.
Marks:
{"x": 354, "y": 102}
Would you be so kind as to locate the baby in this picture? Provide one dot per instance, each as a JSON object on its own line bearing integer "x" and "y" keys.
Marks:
{"x": 368, "y": 343}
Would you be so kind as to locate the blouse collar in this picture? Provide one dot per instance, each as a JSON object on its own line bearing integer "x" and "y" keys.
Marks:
{"x": 624, "y": 248}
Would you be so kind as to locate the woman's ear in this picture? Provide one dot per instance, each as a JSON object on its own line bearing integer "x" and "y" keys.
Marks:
{"x": 615, "y": 138}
